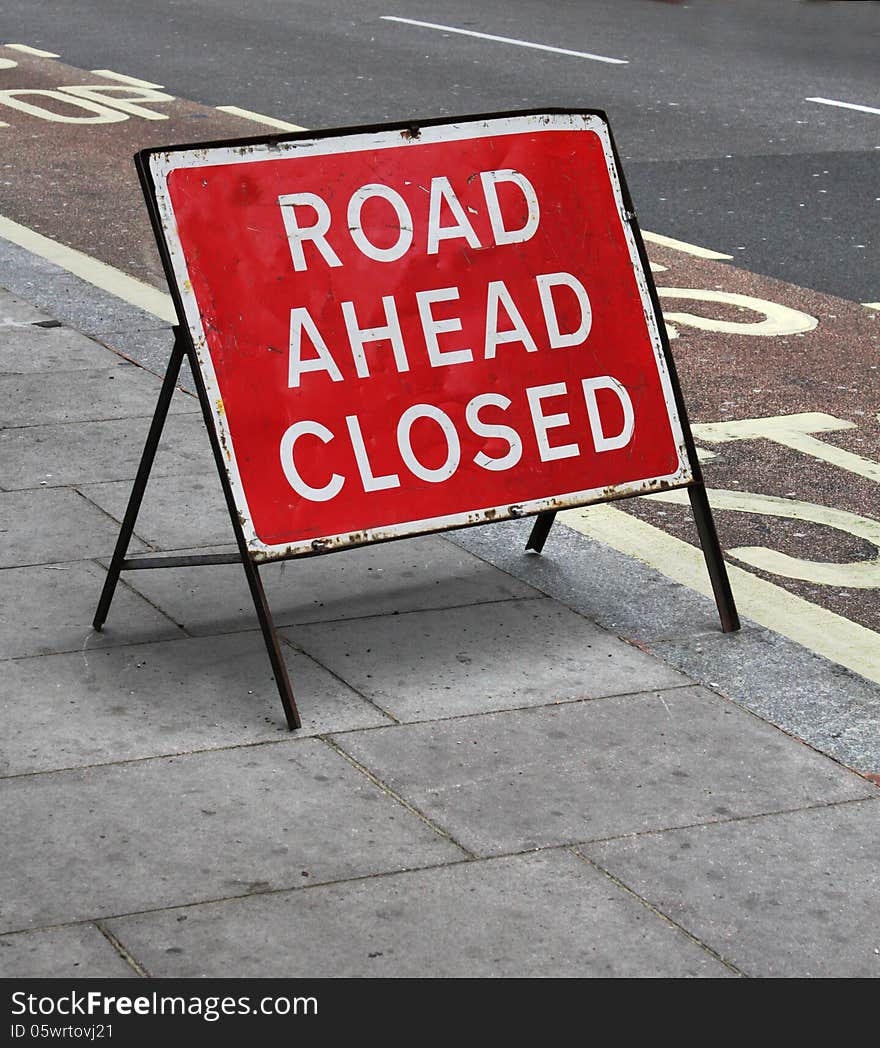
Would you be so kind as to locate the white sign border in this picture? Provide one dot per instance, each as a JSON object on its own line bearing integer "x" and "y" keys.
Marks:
{"x": 163, "y": 163}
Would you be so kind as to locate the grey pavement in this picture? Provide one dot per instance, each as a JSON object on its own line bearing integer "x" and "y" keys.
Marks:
{"x": 508, "y": 765}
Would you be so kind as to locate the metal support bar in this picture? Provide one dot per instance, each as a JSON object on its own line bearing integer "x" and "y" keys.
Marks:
{"x": 540, "y": 530}
{"x": 174, "y": 561}
{"x": 273, "y": 646}
{"x": 255, "y": 584}
{"x": 714, "y": 558}
{"x": 140, "y": 482}
{"x": 119, "y": 561}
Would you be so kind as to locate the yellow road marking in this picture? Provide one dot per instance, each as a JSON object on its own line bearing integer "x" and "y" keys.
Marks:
{"x": 836, "y": 638}
{"x": 682, "y": 245}
{"x": 258, "y": 118}
{"x": 25, "y": 49}
{"x": 105, "y": 277}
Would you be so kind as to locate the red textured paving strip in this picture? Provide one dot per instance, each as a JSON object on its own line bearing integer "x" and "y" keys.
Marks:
{"x": 76, "y": 182}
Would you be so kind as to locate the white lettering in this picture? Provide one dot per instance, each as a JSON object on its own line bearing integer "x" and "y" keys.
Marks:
{"x": 453, "y": 446}
{"x": 543, "y": 423}
{"x": 315, "y": 233}
{"x": 601, "y": 442}
{"x": 490, "y": 180}
{"x": 370, "y": 482}
{"x": 496, "y": 432}
{"x": 433, "y": 327}
{"x": 404, "y": 223}
{"x": 441, "y": 190}
{"x": 358, "y": 337}
{"x": 291, "y": 435}
{"x": 301, "y": 321}
{"x": 498, "y": 294}
{"x": 546, "y": 282}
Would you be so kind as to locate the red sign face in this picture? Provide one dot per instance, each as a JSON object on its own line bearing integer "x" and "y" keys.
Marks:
{"x": 401, "y": 332}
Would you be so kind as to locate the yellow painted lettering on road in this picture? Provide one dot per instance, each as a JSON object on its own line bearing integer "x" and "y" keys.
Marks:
{"x": 129, "y": 103}
{"x": 100, "y": 114}
{"x": 795, "y": 432}
{"x": 860, "y": 574}
{"x": 776, "y": 319}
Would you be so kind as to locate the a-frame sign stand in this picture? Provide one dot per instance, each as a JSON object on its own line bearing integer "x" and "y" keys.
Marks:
{"x": 323, "y": 163}
{"x": 120, "y": 562}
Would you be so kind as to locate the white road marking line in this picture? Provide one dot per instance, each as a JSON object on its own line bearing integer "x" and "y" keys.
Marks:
{"x": 33, "y": 51}
{"x": 836, "y": 638}
{"x": 844, "y": 105}
{"x": 507, "y": 40}
{"x": 681, "y": 245}
{"x": 258, "y": 118}
{"x": 102, "y": 276}
{"x": 109, "y": 74}
{"x": 872, "y": 305}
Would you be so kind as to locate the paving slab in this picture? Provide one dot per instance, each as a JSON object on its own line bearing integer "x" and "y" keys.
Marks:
{"x": 622, "y": 594}
{"x": 89, "y": 452}
{"x": 547, "y": 915}
{"x": 30, "y": 349}
{"x": 45, "y": 525}
{"x": 385, "y": 579}
{"x": 836, "y": 710}
{"x": 794, "y": 895}
{"x": 95, "y": 707}
{"x": 826, "y": 705}
{"x": 50, "y": 609}
{"x": 17, "y": 312}
{"x": 118, "y": 391}
{"x": 129, "y": 837}
{"x": 76, "y": 302}
{"x": 485, "y": 657}
{"x": 178, "y": 512}
{"x": 151, "y": 347}
{"x": 582, "y": 771}
{"x": 78, "y": 951}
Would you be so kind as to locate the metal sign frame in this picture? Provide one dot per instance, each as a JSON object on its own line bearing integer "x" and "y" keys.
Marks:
{"x": 190, "y": 343}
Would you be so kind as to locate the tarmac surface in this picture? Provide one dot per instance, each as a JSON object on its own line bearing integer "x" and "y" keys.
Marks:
{"x": 509, "y": 765}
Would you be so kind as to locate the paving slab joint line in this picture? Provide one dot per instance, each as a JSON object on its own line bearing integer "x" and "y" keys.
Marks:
{"x": 151, "y": 548}
{"x": 346, "y": 684}
{"x": 123, "y": 581}
{"x": 129, "y": 959}
{"x": 385, "y": 788}
{"x": 656, "y": 831}
{"x": 287, "y": 739}
{"x": 218, "y": 899}
{"x": 517, "y": 709}
{"x": 91, "y": 421}
{"x": 729, "y": 965}
{"x": 417, "y": 611}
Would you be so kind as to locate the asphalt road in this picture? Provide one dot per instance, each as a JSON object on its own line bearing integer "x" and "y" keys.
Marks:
{"x": 723, "y": 144}
{"x": 710, "y": 110}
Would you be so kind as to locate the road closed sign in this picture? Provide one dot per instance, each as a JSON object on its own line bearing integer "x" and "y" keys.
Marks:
{"x": 405, "y": 329}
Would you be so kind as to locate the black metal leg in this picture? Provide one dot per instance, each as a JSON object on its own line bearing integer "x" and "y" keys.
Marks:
{"x": 714, "y": 559}
{"x": 272, "y": 645}
{"x": 140, "y": 482}
{"x": 540, "y": 530}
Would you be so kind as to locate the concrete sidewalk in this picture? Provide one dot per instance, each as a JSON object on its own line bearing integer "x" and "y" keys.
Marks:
{"x": 488, "y": 781}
